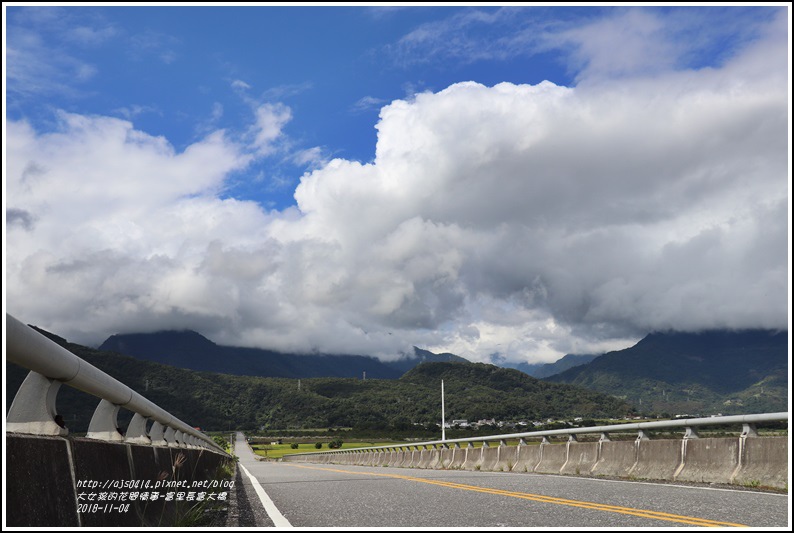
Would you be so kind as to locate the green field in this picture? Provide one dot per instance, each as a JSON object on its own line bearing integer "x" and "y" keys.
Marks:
{"x": 276, "y": 451}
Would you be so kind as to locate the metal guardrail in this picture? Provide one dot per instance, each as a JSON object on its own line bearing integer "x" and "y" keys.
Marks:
{"x": 33, "y": 409}
{"x": 642, "y": 428}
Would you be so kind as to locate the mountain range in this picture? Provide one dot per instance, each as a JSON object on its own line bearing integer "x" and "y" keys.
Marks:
{"x": 188, "y": 349}
{"x": 718, "y": 371}
{"x": 666, "y": 373}
{"x": 216, "y": 401}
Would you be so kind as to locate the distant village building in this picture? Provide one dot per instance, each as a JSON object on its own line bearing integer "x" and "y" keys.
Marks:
{"x": 460, "y": 423}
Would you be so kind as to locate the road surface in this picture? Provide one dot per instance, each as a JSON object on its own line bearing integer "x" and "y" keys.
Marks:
{"x": 324, "y": 495}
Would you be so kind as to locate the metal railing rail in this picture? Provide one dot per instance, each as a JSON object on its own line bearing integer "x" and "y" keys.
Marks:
{"x": 642, "y": 428}
{"x": 33, "y": 409}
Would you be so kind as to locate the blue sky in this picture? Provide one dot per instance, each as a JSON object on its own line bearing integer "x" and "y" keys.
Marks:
{"x": 177, "y": 71}
{"x": 337, "y": 160}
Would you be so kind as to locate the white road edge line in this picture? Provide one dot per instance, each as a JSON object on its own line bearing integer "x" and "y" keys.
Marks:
{"x": 270, "y": 507}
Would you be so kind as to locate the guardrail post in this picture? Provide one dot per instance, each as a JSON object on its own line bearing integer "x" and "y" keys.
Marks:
{"x": 522, "y": 441}
{"x": 691, "y": 433}
{"x": 157, "y": 434}
{"x": 103, "y": 425}
{"x": 179, "y": 439}
{"x": 485, "y": 444}
{"x": 170, "y": 437}
{"x": 643, "y": 435}
{"x": 33, "y": 408}
{"x": 545, "y": 440}
{"x": 749, "y": 430}
{"x": 136, "y": 431}
{"x": 604, "y": 437}
{"x": 572, "y": 438}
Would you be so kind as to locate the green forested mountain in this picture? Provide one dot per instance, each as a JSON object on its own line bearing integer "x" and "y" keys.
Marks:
{"x": 188, "y": 349}
{"x": 728, "y": 372}
{"x": 220, "y": 402}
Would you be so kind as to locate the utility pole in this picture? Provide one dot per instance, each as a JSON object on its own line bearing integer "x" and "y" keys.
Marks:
{"x": 299, "y": 384}
{"x": 443, "y": 429}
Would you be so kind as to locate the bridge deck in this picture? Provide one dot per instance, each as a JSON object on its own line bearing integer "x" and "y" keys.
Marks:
{"x": 313, "y": 495}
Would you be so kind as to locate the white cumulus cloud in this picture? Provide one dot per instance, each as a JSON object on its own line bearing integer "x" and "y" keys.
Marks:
{"x": 526, "y": 220}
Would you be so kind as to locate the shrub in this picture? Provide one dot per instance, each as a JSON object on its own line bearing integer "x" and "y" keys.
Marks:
{"x": 221, "y": 441}
{"x": 294, "y": 445}
{"x": 318, "y": 445}
{"x": 336, "y": 443}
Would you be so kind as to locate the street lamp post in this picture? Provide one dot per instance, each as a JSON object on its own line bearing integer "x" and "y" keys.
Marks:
{"x": 443, "y": 424}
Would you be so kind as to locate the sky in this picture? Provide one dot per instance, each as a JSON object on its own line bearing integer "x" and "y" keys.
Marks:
{"x": 507, "y": 183}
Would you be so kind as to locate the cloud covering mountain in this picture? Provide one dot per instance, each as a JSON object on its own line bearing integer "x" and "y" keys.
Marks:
{"x": 528, "y": 220}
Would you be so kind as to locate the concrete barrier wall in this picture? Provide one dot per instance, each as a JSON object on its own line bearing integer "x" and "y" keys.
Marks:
{"x": 42, "y": 474}
{"x": 753, "y": 461}
{"x": 709, "y": 460}
{"x": 508, "y": 456}
{"x": 426, "y": 456}
{"x": 39, "y": 471}
{"x": 658, "y": 459}
{"x": 445, "y": 458}
{"x": 458, "y": 457}
{"x": 582, "y": 458}
{"x": 433, "y": 458}
{"x": 407, "y": 456}
{"x": 552, "y": 458}
{"x": 398, "y": 458}
{"x": 413, "y": 460}
{"x": 473, "y": 458}
{"x": 384, "y": 458}
{"x": 489, "y": 458}
{"x": 615, "y": 459}
{"x": 764, "y": 462}
{"x": 527, "y": 458}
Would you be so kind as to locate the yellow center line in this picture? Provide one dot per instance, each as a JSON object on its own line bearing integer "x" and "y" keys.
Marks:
{"x": 642, "y": 513}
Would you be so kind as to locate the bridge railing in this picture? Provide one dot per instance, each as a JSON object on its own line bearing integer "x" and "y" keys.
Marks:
{"x": 33, "y": 410}
{"x": 689, "y": 425}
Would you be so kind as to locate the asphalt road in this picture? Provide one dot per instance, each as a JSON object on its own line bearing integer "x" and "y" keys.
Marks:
{"x": 344, "y": 496}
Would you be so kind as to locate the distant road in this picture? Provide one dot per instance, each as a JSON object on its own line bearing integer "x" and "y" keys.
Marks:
{"x": 307, "y": 495}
